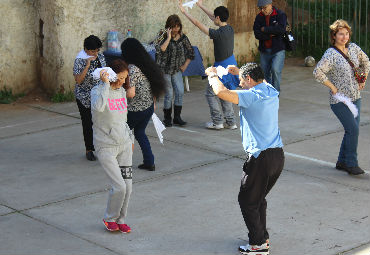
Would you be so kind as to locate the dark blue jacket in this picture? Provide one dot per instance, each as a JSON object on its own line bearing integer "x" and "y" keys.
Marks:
{"x": 278, "y": 22}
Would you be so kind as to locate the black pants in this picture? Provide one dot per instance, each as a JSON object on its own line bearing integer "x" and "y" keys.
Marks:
{"x": 259, "y": 176}
{"x": 85, "y": 114}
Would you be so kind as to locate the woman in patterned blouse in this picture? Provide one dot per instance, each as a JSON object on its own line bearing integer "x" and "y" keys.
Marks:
{"x": 86, "y": 62}
{"x": 334, "y": 71}
{"x": 147, "y": 78}
{"x": 173, "y": 55}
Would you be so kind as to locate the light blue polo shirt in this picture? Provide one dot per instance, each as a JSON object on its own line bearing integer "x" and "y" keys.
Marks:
{"x": 259, "y": 107}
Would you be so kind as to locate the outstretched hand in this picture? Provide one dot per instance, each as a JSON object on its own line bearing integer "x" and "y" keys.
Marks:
{"x": 211, "y": 70}
{"x": 182, "y": 9}
{"x": 234, "y": 70}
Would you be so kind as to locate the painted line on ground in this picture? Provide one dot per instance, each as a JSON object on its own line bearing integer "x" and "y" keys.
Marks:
{"x": 187, "y": 130}
{"x": 325, "y": 163}
{"x": 34, "y": 121}
{"x": 322, "y": 162}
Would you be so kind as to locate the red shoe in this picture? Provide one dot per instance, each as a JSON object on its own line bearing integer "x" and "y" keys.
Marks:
{"x": 124, "y": 228}
{"x": 111, "y": 226}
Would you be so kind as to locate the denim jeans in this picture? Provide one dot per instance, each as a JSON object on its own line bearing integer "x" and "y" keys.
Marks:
{"x": 272, "y": 65}
{"x": 175, "y": 83}
{"x": 215, "y": 111}
{"x": 348, "y": 148}
{"x": 138, "y": 122}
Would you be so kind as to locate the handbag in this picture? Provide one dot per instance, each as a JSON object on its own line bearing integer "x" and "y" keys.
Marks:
{"x": 288, "y": 38}
{"x": 359, "y": 73}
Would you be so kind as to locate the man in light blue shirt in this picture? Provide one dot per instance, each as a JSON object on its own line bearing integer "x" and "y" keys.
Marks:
{"x": 259, "y": 106}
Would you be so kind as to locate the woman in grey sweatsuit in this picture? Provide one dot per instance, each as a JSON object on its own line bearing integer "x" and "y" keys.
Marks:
{"x": 113, "y": 141}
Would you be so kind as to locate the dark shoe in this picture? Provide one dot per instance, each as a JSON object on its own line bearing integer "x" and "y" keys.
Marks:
{"x": 176, "y": 116}
{"x": 167, "y": 117}
{"x": 146, "y": 167}
{"x": 90, "y": 156}
{"x": 356, "y": 170}
{"x": 341, "y": 166}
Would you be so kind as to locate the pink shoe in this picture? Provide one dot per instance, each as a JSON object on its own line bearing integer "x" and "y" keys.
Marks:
{"x": 111, "y": 226}
{"x": 124, "y": 228}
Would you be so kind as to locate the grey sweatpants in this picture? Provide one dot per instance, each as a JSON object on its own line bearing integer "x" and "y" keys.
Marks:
{"x": 117, "y": 163}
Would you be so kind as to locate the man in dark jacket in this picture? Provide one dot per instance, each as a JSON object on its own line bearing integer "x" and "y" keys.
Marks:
{"x": 269, "y": 28}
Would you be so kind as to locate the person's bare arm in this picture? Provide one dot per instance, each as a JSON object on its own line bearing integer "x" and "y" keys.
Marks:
{"x": 219, "y": 89}
{"x": 202, "y": 27}
{"x": 208, "y": 12}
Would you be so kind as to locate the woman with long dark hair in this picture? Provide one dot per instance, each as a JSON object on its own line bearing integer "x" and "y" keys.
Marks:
{"x": 147, "y": 78}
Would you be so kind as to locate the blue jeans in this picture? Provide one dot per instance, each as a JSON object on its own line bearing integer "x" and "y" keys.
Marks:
{"x": 272, "y": 65}
{"x": 215, "y": 111}
{"x": 138, "y": 122}
{"x": 175, "y": 83}
{"x": 348, "y": 148}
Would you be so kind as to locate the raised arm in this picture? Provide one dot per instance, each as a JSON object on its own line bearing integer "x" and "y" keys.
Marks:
{"x": 99, "y": 93}
{"x": 219, "y": 89}
{"x": 208, "y": 12}
{"x": 202, "y": 27}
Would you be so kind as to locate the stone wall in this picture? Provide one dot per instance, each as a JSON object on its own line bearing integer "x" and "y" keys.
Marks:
{"x": 18, "y": 50}
{"x": 39, "y": 39}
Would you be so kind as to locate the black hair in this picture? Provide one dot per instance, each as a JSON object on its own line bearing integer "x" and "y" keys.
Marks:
{"x": 92, "y": 43}
{"x": 133, "y": 52}
{"x": 222, "y": 12}
{"x": 252, "y": 70}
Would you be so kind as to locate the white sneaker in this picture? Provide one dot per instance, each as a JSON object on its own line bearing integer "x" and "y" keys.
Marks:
{"x": 254, "y": 249}
{"x": 231, "y": 127}
{"x": 212, "y": 125}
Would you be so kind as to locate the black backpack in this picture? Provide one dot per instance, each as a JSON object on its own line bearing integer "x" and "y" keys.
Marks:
{"x": 288, "y": 38}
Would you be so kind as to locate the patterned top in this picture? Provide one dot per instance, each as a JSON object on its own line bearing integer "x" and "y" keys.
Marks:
{"x": 143, "y": 98}
{"x": 175, "y": 55}
{"x": 335, "y": 68}
{"x": 83, "y": 90}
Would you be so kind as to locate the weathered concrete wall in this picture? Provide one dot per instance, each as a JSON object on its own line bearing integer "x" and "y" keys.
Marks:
{"x": 18, "y": 51}
{"x": 43, "y": 55}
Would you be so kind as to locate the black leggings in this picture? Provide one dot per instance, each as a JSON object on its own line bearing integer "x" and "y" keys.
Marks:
{"x": 85, "y": 114}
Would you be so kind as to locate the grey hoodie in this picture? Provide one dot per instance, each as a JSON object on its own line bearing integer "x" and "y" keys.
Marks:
{"x": 109, "y": 116}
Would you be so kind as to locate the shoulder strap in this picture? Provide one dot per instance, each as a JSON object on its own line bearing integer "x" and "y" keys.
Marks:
{"x": 345, "y": 56}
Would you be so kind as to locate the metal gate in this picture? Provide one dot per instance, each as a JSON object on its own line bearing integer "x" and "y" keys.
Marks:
{"x": 310, "y": 21}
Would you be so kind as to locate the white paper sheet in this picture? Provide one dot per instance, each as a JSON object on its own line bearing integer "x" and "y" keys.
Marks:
{"x": 159, "y": 127}
{"x": 190, "y": 4}
{"x": 352, "y": 107}
{"x": 112, "y": 76}
{"x": 221, "y": 71}
{"x": 82, "y": 54}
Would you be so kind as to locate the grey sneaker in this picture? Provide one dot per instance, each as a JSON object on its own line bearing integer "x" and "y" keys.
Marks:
{"x": 211, "y": 125}
{"x": 234, "y": 126}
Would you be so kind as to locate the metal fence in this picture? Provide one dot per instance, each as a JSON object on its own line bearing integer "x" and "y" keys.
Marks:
{"x": 310, "y": 20}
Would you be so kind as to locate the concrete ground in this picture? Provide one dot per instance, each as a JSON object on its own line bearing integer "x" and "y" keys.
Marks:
{"x": 52, "y": 199}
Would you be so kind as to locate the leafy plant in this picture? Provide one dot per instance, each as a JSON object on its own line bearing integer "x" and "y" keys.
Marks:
{"x": 63, "y": 96}
{"x": 7, "y": 96}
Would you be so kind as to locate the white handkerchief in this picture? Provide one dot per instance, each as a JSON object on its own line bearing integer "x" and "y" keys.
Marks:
{"x": 221, "y": 71}
{"x": 82, "y": 54}
{"x": 190, "y": 4}
{"x": 159, "y": 127}
{"x": 112, "y": 76}
{"x": 352, "y": 107}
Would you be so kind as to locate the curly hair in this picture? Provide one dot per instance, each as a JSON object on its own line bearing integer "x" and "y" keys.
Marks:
{"x": 253, "y": 70}
{"x": 133, "y": 52}
{"x": 334, "y": 28}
